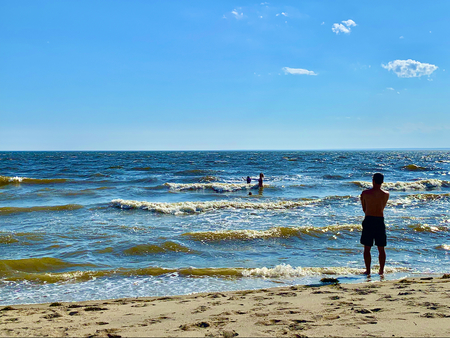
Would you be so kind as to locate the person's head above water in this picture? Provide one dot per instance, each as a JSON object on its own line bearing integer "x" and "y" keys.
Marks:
{"x": 261, "y": 175}
{"x": 378, "y": 178}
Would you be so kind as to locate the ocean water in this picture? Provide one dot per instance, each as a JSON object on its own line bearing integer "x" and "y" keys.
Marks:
{"x": 95, "y": 225}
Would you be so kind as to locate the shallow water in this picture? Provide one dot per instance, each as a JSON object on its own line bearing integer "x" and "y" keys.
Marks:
{"x": 95, "y": 225}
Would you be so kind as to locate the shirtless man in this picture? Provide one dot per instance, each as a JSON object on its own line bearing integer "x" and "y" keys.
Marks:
{"x": 373, "y": 202}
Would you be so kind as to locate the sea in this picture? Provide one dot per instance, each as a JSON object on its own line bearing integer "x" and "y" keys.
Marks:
{"x": 110, "y": 224}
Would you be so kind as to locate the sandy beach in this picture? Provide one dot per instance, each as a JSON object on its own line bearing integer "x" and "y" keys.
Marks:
{"x": 409, "y": 307}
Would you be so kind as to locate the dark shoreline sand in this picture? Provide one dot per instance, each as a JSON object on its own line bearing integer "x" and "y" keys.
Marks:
{"x": 408, "y": 307}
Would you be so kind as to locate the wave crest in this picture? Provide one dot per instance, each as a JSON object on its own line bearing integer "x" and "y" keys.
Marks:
{"x": 5, "y": 180}
{"x": 180, "y": 208}
{"x": 144, "y": 249}
{"x": 276, "y": 232}
{"x": 14, "y": 210}
{"x": 284, "y": 271}
{"x": 217, "y": 187}
{"x": 428, "y": 184}
{"x": 414, "y": 167}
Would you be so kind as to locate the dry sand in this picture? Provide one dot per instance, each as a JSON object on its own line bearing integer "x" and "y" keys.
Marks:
{"x": 409, "y": 307}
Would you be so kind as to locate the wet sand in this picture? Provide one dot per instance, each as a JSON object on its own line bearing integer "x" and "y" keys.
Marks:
{"x": 407, "y": 307}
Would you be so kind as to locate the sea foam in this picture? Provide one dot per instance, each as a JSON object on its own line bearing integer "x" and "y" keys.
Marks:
{"x": 198, "y": 207}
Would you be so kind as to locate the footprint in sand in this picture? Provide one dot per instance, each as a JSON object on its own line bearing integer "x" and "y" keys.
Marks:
{"x": 200, "y": 309}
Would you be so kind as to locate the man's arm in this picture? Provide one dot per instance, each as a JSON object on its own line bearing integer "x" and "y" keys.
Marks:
{"x": 363, "y": 202}
{"x": 386, "y": 199}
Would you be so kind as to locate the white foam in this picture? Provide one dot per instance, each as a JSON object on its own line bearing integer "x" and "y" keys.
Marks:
{"x": 218, "y": 187}
{"x": 12, "y": 179}
{"x": 402, "y": 186}
{"x": 444, "y": 247}
{"x": 198, "y": 207}
{"x": 286, "y": 271}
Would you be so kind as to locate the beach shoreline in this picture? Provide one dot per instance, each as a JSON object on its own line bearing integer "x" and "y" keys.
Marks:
{"x": 413, "y": 306}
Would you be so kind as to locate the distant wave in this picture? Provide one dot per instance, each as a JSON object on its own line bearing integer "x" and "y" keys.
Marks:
{"x": 276, "y": 232}
{"x": 428, "y": 184}
{"x": 15, "y": 237}
{"x": 146, "y": 249}
{"x": 217, "y": 187}
{"x": 13, "y": 210}
{"x": 333, "y": 177}
{"x": 209, "y": 178}
{"x": 428, "y": 228}
{"x": 32, "y": 265}
{"x": 198, "y": 207}
{"x": 445, "y": 247}
{"x": 84, "y": 191}
{"x": 409, "y": 199}
{"x": 141, "y": 168}
{"x": 5, "y": 180}
{"x": 413, "y": 167}
{"x": 18, "y": 270}
{"x": 194, "y": 172}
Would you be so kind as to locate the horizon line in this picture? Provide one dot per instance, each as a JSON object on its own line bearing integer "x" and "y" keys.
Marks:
{"x": 216, "y": 150}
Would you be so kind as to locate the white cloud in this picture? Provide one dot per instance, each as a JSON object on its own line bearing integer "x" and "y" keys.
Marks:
{"x": 349, "y": 23}
{"x": 401, "y": 37}
{"x": 237, "y": 15}
{"x": 343, "y": 28}
{"x": 297, "y": 71}
{"x": 390, "y": 88}
{"x": 410, "y": 68}
{"x": 283, "y": 13}
{"x": 338, "y": 28}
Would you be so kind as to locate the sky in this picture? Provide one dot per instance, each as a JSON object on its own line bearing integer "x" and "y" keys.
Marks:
{"x": 224, "y": 75}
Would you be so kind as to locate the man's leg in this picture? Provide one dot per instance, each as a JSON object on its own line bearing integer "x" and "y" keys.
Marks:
{"x": 367, "y": 259}
{"x": 382, "y": 259}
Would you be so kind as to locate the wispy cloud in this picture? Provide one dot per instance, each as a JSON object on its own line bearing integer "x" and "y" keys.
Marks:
{"x": 297, "y": 71}
{"x": 265, "y": 11}
{"x": 237, "y": 15}
{"x": 410, "y": 68}
{"x": 344, "y": 27}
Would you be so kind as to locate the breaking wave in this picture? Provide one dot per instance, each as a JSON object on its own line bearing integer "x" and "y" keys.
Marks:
{"x": 407, "y": 200}
{"x": 180, "y": 208}
{"x": 146, "y": 249}
{"x": 413, "y": 167}
{"x": 217, "y": 187}
{"x": 276, "y": 232}
{"x": 46, "y": 274}
{"x": 428, "y": 184}
{"x": 14, "y": 210}
{"x": 286, "y": 271}
{"x": 33, "y": 265}
{"x": 5, "y": 180}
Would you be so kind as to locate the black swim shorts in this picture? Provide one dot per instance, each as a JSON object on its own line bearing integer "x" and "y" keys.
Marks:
{"x": 373, "y": 229}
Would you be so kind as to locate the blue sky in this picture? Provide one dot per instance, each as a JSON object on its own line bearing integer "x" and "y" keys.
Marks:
{"x": 218, "y": 75}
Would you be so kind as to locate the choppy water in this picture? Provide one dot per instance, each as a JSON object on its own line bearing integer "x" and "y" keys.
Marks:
{"x": 96, "y": 225}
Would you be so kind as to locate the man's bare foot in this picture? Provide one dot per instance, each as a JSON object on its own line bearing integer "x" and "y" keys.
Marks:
{"x": 367, "y": 273}
{"x": 381, "y": 273}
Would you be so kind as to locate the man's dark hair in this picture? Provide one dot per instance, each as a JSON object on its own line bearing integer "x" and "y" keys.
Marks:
{"x": 378, "y": 178}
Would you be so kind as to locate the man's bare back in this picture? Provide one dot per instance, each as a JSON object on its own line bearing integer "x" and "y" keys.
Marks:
{"x": 374, "y": 201}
